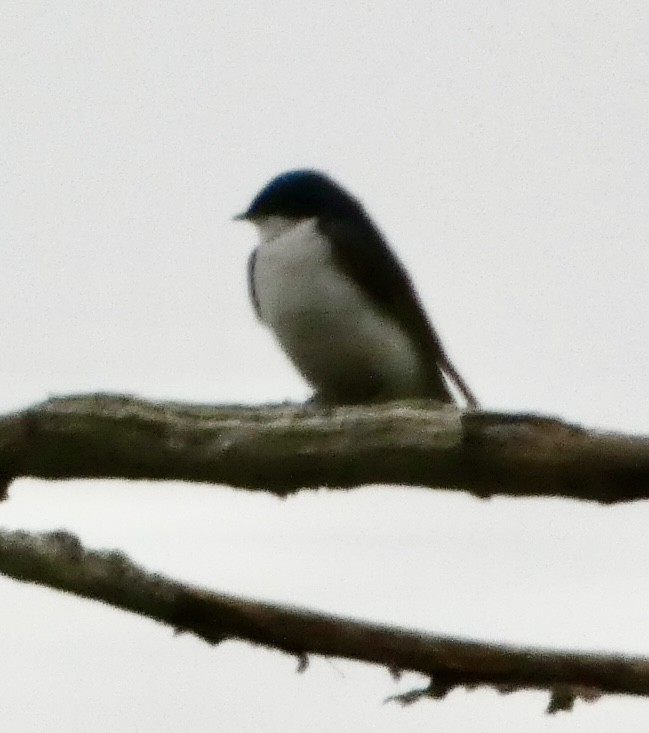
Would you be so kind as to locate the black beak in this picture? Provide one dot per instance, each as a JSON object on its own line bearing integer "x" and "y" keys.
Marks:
{"x": 243, "y": 216}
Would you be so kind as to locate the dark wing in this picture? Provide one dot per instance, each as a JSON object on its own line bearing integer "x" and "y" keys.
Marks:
{"x": 361, "y": 252}
{"x": 251, "y": 282}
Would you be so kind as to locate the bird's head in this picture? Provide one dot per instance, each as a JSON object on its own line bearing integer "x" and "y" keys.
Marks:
{"x": 300, "y": 194}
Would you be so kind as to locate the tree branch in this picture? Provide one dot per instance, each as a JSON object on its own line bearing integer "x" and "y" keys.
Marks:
{"x": 59, "y": 560}
{"x": 284, "y": 448}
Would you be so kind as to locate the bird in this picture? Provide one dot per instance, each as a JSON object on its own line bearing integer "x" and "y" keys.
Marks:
{"x": 338, "y": 300}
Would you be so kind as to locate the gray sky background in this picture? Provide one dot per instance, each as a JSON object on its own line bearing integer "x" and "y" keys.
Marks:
{"x": 504, "y": 150}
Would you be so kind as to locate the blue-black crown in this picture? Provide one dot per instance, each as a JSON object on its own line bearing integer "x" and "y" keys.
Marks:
{"x": 302, "y": 194}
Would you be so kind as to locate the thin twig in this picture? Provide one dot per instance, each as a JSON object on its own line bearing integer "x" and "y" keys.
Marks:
{"x": 59, "y": 560}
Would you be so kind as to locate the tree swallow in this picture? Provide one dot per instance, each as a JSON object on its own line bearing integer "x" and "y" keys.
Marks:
{"x": 340, "y": 303}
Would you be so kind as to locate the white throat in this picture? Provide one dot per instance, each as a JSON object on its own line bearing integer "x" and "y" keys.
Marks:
{"x": 272, "y": 227}
{"x": 324, "y": 321}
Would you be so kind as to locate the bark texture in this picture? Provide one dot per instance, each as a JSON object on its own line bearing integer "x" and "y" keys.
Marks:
{"x": 59, "y": 560}
{"x": 285, "y": 448}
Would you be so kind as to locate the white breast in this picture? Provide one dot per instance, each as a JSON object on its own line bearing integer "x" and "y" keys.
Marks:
{"x": 322, "y": 319}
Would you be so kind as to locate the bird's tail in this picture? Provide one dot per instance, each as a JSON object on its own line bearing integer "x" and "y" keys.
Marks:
{"x": 453, "y": 374}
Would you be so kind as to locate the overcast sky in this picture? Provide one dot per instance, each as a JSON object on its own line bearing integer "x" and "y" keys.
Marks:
{"x": 503, "y": 148}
